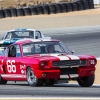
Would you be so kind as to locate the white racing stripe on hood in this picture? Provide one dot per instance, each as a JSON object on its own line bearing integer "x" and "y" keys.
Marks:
{"x": 73, "y": 57}
{"x": 61, "y": 57}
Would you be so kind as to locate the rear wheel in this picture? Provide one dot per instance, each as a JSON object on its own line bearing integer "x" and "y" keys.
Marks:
{"x": 2, "y": 81}
{"x": 32, "y": 79}
{"x": 86, "y": 81}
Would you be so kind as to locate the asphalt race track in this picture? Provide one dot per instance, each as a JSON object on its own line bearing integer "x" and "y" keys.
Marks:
{"x": 83, "y": 40}
{"x": 21, "y": 89}
{"x": 87, "y": 43}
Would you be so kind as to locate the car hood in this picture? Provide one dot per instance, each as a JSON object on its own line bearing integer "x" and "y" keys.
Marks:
{"x": 61, "y": 57}
{"x": 9, "y": 41}
{"x": 55, "y": 57}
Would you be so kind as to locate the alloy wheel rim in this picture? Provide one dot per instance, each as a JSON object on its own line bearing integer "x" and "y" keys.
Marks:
{"x": 31, "y": 76}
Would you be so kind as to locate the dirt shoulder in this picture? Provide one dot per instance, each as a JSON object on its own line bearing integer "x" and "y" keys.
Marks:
{"x": 71, "y": 19}
{"x": 97, "y": 73}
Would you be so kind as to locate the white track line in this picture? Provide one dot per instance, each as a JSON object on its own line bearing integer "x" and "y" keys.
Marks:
{"x": 50, "y": 98}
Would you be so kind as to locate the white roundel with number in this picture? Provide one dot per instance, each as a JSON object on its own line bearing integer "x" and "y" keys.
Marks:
{"x": 92, "y": 62}
{"x": 10, "y": 66}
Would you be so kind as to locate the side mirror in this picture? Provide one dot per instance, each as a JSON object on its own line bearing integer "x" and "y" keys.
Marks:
{"x": 72, "y": 51}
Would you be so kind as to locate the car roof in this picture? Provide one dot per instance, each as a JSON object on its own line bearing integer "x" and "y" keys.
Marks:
{"x": 23, "y": 29}
{"x": 23, "y": 41}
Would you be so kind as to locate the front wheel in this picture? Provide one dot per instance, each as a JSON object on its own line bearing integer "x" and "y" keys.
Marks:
{"x": 2, "y": 81}
{"x": 86, "y": 81}
{"x": 32, "y": 79}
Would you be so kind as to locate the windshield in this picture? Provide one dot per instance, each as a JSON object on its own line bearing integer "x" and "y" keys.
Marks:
{"x": 19, "y": 34}
{"x": 44, "y": 47}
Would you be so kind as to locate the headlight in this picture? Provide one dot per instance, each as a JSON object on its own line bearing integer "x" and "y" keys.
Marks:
{"x": 92, "y": 62}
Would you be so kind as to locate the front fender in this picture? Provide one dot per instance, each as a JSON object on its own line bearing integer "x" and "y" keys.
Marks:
{"x": 2, "y": 69}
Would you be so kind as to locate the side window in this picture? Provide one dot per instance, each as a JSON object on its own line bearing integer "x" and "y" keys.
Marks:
{"x": 18, "y": 51}
{"x": 12, "y": 51}
{"x": 37, "y": 34}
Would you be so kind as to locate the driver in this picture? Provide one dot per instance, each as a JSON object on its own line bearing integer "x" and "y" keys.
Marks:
{"x": 51, "y": 49}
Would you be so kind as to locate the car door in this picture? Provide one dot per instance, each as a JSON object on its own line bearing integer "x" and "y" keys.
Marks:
{"x": 12, "y": 63}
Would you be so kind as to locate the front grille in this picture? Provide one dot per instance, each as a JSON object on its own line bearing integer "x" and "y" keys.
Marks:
{"x": 64, "y": 71}
{"x": 69, "y": 63}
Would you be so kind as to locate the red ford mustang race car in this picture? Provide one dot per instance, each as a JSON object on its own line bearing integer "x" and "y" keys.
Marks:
{"x": 45, "y": 62}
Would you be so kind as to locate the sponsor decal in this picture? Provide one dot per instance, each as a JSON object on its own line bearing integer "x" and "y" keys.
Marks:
{"x": 22, "y": 71}
{"x": 22, "y": 67}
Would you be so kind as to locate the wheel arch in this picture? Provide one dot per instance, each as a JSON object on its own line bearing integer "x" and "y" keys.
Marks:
{"x": 2, "y": 69}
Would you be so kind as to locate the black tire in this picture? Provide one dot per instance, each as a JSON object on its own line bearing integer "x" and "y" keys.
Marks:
{"x": 74, "y": 6}
{"x": 91, "y": 4}
{"x": 1, "y": 14}
{"x": 63, "y": 7}
{"x": 85, "y": 4}
{"x": 20, "y": 12}
{"x": 46, "y": 9}
{"x": 58, "y": 8}
{"x": 7, "y": 13}
{"x": 80, "y": 5}
{"x": 69, "y": 7}
{"x": 86, "y": 81}
{"x": 40, "y": 9}
{"x": 32, "y": 79}
{"x": 52, "y": 8}
{"x": 33, "y": 10}
{"x": 13, "y": 12}
{"x": 2, "y": 81}
{"x": 26, "y": 11}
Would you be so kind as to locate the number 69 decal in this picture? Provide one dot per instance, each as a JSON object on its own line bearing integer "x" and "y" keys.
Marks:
{"x": 10, "y": 66}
